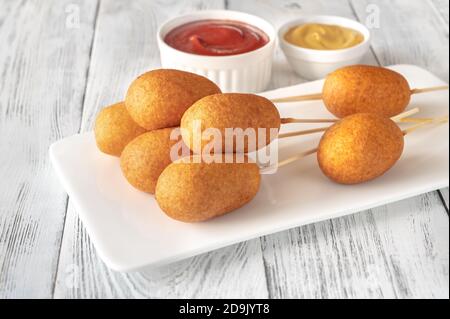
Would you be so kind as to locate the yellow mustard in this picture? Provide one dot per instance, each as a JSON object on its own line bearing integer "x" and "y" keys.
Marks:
{"x": 323, "y": 36}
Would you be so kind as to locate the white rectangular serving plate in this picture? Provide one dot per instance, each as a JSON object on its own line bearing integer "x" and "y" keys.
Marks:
{"x": 130, "y": 231}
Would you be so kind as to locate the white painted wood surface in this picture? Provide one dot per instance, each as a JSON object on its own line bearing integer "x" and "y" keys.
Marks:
{"x": 43, "y": 66}
{"x": 53, "y": 81}
{"x": 441, "y": 6}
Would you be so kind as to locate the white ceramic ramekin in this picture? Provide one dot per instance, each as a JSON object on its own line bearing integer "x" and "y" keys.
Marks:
{"x": 316, "y": 64}
{"x": 246, "y": 72}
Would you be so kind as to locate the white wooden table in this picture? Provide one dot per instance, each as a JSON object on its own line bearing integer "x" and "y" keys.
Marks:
{"x": 62, "y": 60}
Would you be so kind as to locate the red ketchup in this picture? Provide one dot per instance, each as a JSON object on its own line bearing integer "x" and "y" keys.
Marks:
{"x": 216, "y": 37}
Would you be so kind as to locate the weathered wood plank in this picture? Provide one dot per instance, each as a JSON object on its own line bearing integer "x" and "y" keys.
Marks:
{"x": 444, "y": 194}
{"x": 353, "y": 257}
{"x": 442, "y": 7}
{"x": 409, "y": 32}
{"x": 394, "y": 251}
{"x": 82, "y": 275}
{"x": 124, "y": 47}
{"x": 43, "y": 63}
{"x": 232, "y": 272}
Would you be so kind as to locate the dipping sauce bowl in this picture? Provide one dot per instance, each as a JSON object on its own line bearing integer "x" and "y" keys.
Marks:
{"x": 312, "y": 64}
{"x": 246, "y": 69}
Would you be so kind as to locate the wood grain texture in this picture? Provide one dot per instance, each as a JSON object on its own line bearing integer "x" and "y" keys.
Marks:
{"x": 43, "y": 64}
{"x": 394, "y": 251}
{"x": 125, "y": 46}
{"x": 444, "y": 194}
{"x": 441, "y": 6}
{"x": 352, "y": 257}
{"x": 399, "y": 250}
{"x": 233, "y": 272}
{"x": 409, "y": 32}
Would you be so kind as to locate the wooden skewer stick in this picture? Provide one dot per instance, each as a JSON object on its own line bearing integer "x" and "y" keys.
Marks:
{"x": 304, "y": 132}
{"x": 299, "y": 98}
{"x": 439, "y": 120}
{"x": 430, "y": 89}
{"x": 405, "y": 114}
{"x": 398, "y": 118}
{"x": 414, "y": 120}
{"x": 318, "y": 96}
{"x": 288, "y": 120}
{"x": 296, "y": 157}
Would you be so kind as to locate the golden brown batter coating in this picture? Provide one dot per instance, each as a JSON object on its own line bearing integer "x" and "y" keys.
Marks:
{"x": 231, "y": 110}
{"x": 194, "y": 192}
{"x": 144, "y": 158}
{"x": 366, "y": 89}
{"x": 114, "y": 129}
{"x": 360, "y": 148}
{"x": 159, "y": 98}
